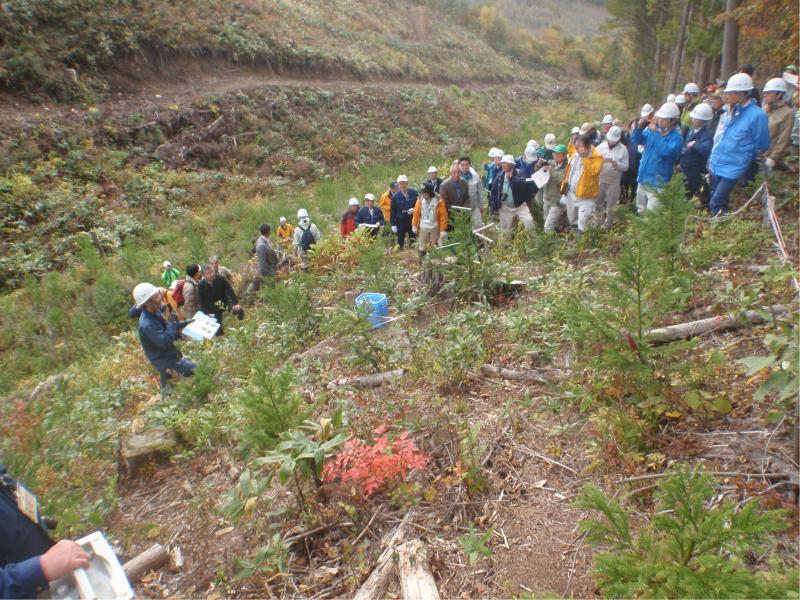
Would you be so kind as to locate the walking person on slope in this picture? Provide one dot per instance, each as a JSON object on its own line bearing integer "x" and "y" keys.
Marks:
{"x": 581, "y": 183}
{"x": 306, "y": 235}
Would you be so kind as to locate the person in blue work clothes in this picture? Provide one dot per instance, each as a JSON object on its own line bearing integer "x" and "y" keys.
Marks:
{"x": 29, "y": 560}
{"x": 369, "y": 215}
{"x": 663, "y": 142}
{"x": 158, "y": 336}
{"x": 742, "y": 137}
{"x": 697, "y": 148}
{"x": 403, "y": 202}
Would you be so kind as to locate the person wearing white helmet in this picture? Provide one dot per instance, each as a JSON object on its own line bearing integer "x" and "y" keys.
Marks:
{"x": 170, "y": 274}
{"x": 662, "y": 143}
{"x": 606, "y": 124}
{"x": 158, "y": 335}
{"x": 433, "y": 178}
{"x": 526, "y": 162}
{"x": 647, "y": 112}
{"x": 781, "y": 121}
{"x": 511, "y": 193}
{"x": 348, "y": 224}
{"x": 285, "y": 232}
{"x": 615, "y": 163}
{"x": 671, "y": 97}
{"x": 306, "y": 235}
{"x": 370, "y": 216}
{"x": 403, "y": 203}
{"x": 491, "y": 169}
{"x": 742, "y": 139}
{"x": 696, "y": 149}
{"x": 691, "y": 91}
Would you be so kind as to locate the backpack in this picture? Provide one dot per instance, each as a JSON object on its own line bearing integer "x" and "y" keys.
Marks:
{"x": 177, "y": 292}
{"x": 307, "y": 239}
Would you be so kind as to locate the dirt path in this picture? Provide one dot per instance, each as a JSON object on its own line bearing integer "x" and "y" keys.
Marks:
{"x": 143, "y": 83}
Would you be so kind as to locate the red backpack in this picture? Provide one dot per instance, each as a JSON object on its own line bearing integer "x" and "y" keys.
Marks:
{"x": 177, "y": 292}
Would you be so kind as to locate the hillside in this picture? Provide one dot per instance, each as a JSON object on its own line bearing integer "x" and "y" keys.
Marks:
{"x": 573, "y": 17}
{"x": 392, "y": 39}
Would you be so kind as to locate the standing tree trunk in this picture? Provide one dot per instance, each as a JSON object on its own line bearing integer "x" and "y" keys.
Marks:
{"x": 730, "y": 42}
{"x": 677, "y": 56}
{"x": 705, "y": 68}
{"x": 697, "y": 68}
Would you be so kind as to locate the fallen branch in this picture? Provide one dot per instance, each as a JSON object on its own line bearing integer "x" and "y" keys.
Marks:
{"x": 153, "y": 558}
{"x": 547, "y": 459}
{"x": 512, "y": 375}
{"x": 416, "y": 579}
{"x": 774, "y": 476}
{"x": 369, "y": 381}
{"x": 685, "y": 331}
{"x": 310, "y": 532}
{"x": 377, "y": 582}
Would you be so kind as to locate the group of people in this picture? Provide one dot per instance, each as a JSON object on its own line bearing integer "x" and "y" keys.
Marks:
{"x": 715, "y": 139}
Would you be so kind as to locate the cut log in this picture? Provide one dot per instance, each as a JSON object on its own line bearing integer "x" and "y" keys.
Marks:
{"x": 512, "y": 375}
{"x": 378, "y": 379}
{"x": 153, "y": 558}
{"x": 685, "y": 331}
{"x": 416, "y": 579}
{"x": 139, "y": 449}
{"x": 377, "y": 582}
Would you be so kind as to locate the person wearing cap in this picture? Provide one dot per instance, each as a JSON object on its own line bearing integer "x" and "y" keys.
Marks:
{"x": 454, "y": 191}
{"x": 526, "y": 162}
{"x": 790, "y": 76}
{"x": 551, "y": 193}
{"x": 158, "y": 336}
{"x": 491, "y": 168}
{"x": 170, "y": 274}
{"x": 615, "y": 163}
{"x": 474, "y": 189}
{"x": 306, "y": 234}
{"x": 692, "y": 93}
{"x": 590, "y": 130}
{"x": 348, "y": 224}
{"x": 369, "y": 216}
{"x": 429, "y": 220}
{"x": 403, "y": 203}
{"x": 581, "y": 183}
{"x": 662, "y": 143}
{"x": 606, "y": 124}
{"x": 696, "y": 149}
{"x": 285, "y": 232}
{"x": 433, "y": 178}
{"x": 385, "y": 203}
{"x": 781, "y": 121}
{"x": 576, "y": 131}
{"x": 545, "y": 153}
{"x": 511, "y": 194}
{"x": 743, "y": 140}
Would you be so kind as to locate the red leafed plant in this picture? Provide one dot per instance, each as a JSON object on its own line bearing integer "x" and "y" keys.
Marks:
{"x": 372, "y": 467}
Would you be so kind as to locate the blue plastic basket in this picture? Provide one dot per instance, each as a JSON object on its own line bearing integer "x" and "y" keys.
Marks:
{"x": 375, "y": 306}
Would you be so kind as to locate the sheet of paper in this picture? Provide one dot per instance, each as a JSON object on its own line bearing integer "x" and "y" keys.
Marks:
{"x": 203, "y": 327}
{"x": 540, "y": 178}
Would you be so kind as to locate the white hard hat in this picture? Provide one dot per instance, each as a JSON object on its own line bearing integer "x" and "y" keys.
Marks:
{"x": 369, "y": 197}
{"x": 508, "y": 160}
{"x": 402, "y": 178}
{"x": 669, "y": 110}
{"x": 167, "y": 264}
{"x": 741, "y": 82}
{"x": 576, "y": 130}
{"x": 550, "y": 141}
{"x": 495, "y": 152}
{"x": 671, "y": 98}
{"x": 283, "y": 220}
{"x": 647, "y": 110}
{"x": 790, "y": 78}
{"x": 608, "y": 120}
{"x": 432, "y": 169}
{"x": 776, "y": 85}
{"x": 353, "y": 202}
{"x": 691, "y": 88}
{"x": 703, "y": 112}
{"x": 302, "y": 213}
{"x": 143, "y": 292}
{"x": 614, "y": 134}
{"x": 533, "y": 143}
{"x": 680, "y": 99}
{"x": 530, "y": 153}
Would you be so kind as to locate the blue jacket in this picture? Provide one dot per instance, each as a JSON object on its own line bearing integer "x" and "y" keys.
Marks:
{"x": 22, "y": 542}
{"x": 401, "y": 205}
{"x": 362, "y": 216}
{"x": 525, "y": 167}
{"x": 694, "y": 159}
{"x": 745, "y": 136}
{"x": 158, "y": 340}
{"x": 491, "y": 171}
{"x": 523, "y": 190}
{"x": 661, "y": 152}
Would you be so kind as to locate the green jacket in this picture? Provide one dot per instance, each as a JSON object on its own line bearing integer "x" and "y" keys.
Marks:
{"x": 169, "y": 276}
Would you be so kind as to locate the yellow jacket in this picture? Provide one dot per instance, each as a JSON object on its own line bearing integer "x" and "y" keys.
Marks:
{"x": 285, "y": 233}
{"x": 441, "y": 214}
{"x": 589, "y": 181}
{"x": 386, "y": 205}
